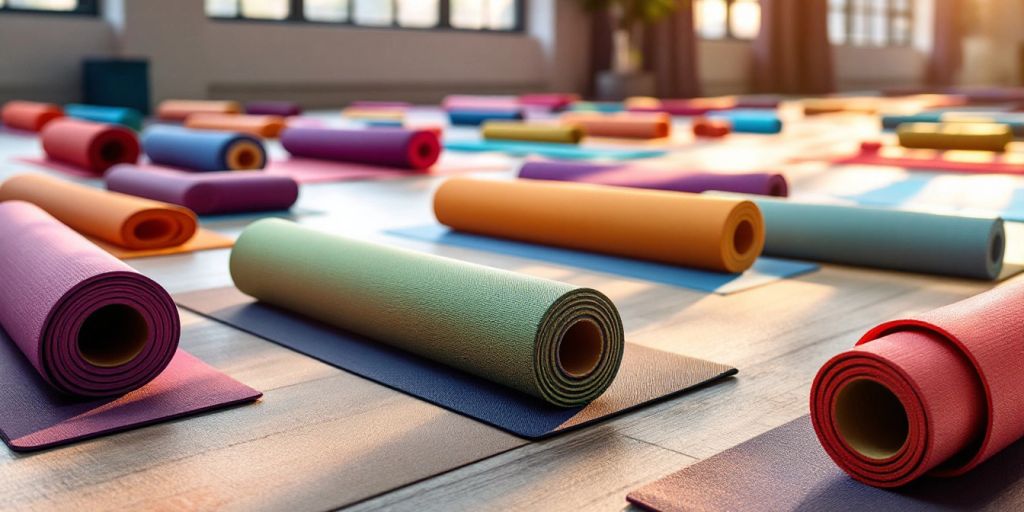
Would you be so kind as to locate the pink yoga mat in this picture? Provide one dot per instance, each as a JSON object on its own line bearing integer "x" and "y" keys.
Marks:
{"x": 387, "y": 147}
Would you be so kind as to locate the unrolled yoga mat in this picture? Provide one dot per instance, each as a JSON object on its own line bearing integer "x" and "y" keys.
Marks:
{"x": 308, "y": 170}
{"x": 208, "y": 193}
{"x": 933, "y": 394}
{"x": 632, "y": 126}
{"x": 128, "y": 117}
{"x": 875, "y": 153}
{"x": 930, "y": 243}
{"x": 786, "y": 469}
{"x": 638, "y": 176}
{"x": 92, "y": 147}
{"x": 199, "y": 150}
{"x": 92, "y": 348}
{"x": 689, "y": 230}
{"x": 178, "y": 110}
{"x": 551, "y": 150}
{"x": 125, "y": 226}
{"x": 260, "y": 126}
{"x": 29, "y": 115}
{"x": 386, "y": 147}
{"x": 273, "y": 108}
{"x": 765, "y": 270}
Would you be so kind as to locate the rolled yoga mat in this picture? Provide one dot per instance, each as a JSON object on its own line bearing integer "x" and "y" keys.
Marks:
{"x": 119, "y": 219}
{"x": 273, "y": 108}
{"x": 711, "y": 128}
{"x": 551, "y": 340}
{"x": 554, "y": 101}
{"x": 533, "y": 132}
{"x": 639, "y": 176}
{"x": 388, "y": 147}
{"x": 91, "y": 146}
{"x": 632, "y": 126}
{"x": 29, "y": 115}
{"x": 208, "y": 193}
{"x": 260, "y": 126}
{"x": 461, "y": 117}
{"x": 89, "y": 324}
{"x": 750, "y": 121}
{"x": 178, "y": 110}
{"x": 935, "y": 394}
{"x": 128, "y": 117}
{"x": 690, "y": 230}
{"x": 883, "y": 238}
{"x": 205, "y": 151}
{"x": 968, "y": 136}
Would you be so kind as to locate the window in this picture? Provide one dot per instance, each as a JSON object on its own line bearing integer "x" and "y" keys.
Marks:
{"x": 55, "y": 6}
{"x": 727, "y": 19}
{"x": 486, "y": 15}
{"x": 871, "y": 22}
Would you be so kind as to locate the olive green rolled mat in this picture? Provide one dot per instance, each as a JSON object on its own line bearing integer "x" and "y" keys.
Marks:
{"x": 521, "y": 353}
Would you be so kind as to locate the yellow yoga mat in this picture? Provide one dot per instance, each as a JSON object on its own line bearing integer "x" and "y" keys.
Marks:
{"x": 966, "y": 136}
{"x": 534, "y": 132}
{"x": 690, "y": 230}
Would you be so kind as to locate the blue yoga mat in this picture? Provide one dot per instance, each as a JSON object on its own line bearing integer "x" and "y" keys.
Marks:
{"x": 478, "y": 117}
{"x": 124, "y": 116}
{"x": 551, "y": 150}
{"x": 750, "y": 121}
{"x": 765, "y": 270}
{"x": 197, "y": 150}
{"x": 906, "y": 192}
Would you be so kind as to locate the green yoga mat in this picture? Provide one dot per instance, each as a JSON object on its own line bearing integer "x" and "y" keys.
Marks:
{"x": 891, "y": 239}
{"x": 552, "y": 340}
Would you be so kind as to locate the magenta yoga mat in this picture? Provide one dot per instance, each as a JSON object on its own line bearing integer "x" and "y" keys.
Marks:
{"x": 389, "y": 147}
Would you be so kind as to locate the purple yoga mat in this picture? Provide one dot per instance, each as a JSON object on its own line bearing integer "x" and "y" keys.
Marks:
{"x": 634, "y": 176}
{"x": 273, "y": 108}
{"x": 390, "y": 147}
{"x": 88, "y": 323}
{"x": 207, "y": 193}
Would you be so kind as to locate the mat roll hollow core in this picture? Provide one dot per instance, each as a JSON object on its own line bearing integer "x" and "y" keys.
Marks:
{"x": 29, "y": 115}
{"x": 199, "y": 150}
{"x": 724, "y": 235}
{"x": 389, "y": 147}
{"x": 94, "y": 147}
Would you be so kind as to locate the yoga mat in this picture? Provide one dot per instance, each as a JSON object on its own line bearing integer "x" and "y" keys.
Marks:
{"x": 29, "y": 115}
{"x": 786, "y": 469}
{"x": 750, "y": 121}
{"x": 967, "y": 136}
{"x": 1014, "y": 120}
{"x": 875, "y": 153}
{"x": 646, "y": 375}
{"x": 375, "y": 113}
{"x": 273, "y": 108}
{"x": 478, "y": 102}
{"x": 637, "y": 176}
{"x": 92, "y": 330}
{"x": 210, "y": 193}
{"x": 381, "y": 104}
{"x": 124, "y": 225}
{"x": 477, "y": 117}
{"x": 531, "y": 132}
{"x": 680, "y": 107}
{"x": 930, "y": 243}
{"x": 934, "y": 394}
{"x": 550, "y": 150}
{"x": 306, "y": 170}
{"x": 127, "y": 117}
{"x": 199, "y": 150}
{"x": 92, "y": 147}
{"x": 764, "y": 271}
{"x": 551, "y": 101}
{"x": 711, "y": 128}
{"x": 178, "y": 110}
{"x": 690, "y": 230}
{"x": 260, "y": 126}
{"x": 607, "y": 107}
{"x": 631, "y": 126}
{"x": 893, "y": 121}
{"x": 386, "y": 147}
{"x": 550, "y": 340}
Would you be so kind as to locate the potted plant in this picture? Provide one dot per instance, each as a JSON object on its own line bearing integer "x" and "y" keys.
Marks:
{"x": 629, "y": 18}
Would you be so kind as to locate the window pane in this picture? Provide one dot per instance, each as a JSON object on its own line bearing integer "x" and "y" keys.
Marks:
{"x": 467, "y": 14}
{"x": 45, "y": 5}
{"x": 325, "y": 10}
{"x": 222, "y": 8}
{"x": 418, "y": 13}
{"x": 265, "y": 9}
{"x": 373, "y": 12}
{"x": 709, "y": 17}
{"x": 745, "y": 19}
{"x": 879, "y": 28}
{"x": 501, "y": 14}
{"x": 901, "y": 28}
{"x": 837, "y": 27}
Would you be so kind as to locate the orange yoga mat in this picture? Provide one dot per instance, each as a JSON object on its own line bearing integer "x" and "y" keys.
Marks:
{"x": 124, "y": 225}
{"x": 691, "y": 230}
{"x": 178, "y": 110}
{"x": 29, "y": 115}
{"x": 633, "y": 126}
{"x": 261, "y": 126}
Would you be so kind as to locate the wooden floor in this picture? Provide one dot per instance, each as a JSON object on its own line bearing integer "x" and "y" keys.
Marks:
{"x": 272, "y": 455}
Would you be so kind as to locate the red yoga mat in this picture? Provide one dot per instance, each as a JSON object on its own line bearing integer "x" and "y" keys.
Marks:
{"x": 934, "y": 394}
{"x": 88, "y": 145}
{"x": 29, "y": 115}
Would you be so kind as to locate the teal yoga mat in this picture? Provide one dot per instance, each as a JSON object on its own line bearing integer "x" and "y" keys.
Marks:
{"x": 550, "y": 150}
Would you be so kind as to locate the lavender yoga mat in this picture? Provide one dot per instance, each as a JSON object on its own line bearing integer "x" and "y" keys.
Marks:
{"x": 208, "y": 193}
{"x": 634, "y": 176}
{"x": 390, "y": 147}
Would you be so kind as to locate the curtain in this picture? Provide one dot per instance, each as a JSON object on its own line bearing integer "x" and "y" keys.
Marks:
{"x": 792, "y": 52}
{"x": 947, "y": 51}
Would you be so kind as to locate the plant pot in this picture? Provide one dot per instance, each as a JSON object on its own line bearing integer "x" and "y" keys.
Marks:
{"x": 615, "y": 86}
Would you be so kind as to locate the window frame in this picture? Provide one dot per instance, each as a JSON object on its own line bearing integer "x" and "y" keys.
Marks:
{"x": 296, "y": 16}
{"x": 892, "y": 13}
{"x": 82, "y": 8}
{"x": 729, "y": 34}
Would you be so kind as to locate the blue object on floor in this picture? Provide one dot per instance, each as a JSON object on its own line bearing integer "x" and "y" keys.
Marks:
{"x": 196, "y": 150}
{"x": 460, "y": 117}
{"x": 750, "y": 120}
{"x": 128, "y": 117}
{"x": 551, "y": 150}
{"x": 116, "y": 83}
